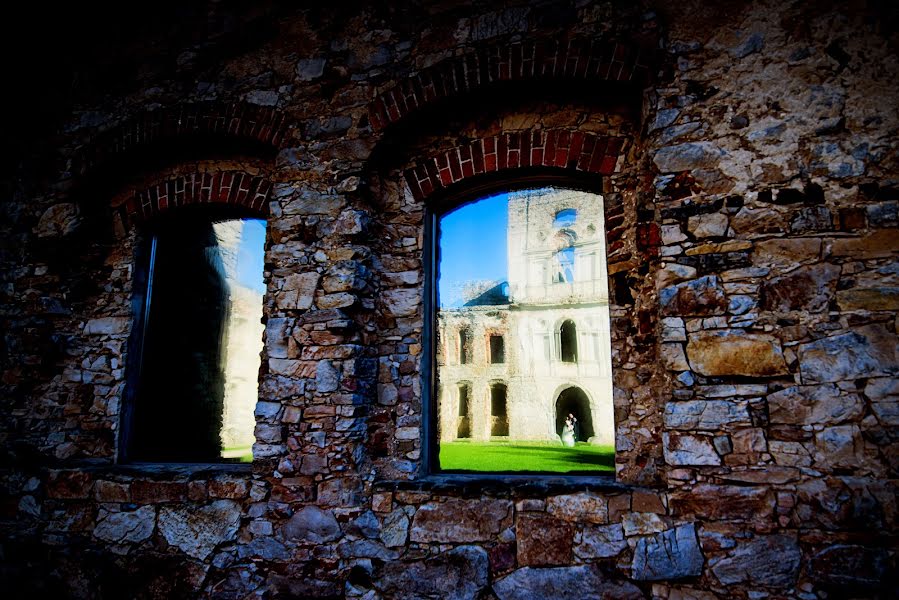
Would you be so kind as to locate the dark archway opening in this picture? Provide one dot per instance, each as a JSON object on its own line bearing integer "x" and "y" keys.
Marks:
{"x": 568, "y": 342}
{"x": 574, "y": 401}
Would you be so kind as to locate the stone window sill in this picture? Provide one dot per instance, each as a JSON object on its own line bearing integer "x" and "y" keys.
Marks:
{"x": 504, "y": 485}
{"x": 192, "y": 470}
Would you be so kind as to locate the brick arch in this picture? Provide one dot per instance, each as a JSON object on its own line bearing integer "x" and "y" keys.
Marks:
{"x": 236, "y": 120}
{"x": 563, "y": 149}
{"x": 574, "y": 59}
{"x": 235, "y": 188}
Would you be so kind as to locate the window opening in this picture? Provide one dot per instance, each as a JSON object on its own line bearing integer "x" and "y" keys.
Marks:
{"x": 497, "y": 349}
{"x": 568, "y": 341}
{"x": 196, "y": 383}
{"x": 463, "y": 428}
{"x": 464, "y": 346}
{"x": 499, "y": 421}
{"x": 506, "y": 282}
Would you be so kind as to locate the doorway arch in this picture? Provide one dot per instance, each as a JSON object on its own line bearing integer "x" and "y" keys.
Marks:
{"x": 573, "y": 400}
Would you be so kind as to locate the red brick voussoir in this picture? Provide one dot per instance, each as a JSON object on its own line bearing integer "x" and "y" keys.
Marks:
{"x": 558, "y": 148}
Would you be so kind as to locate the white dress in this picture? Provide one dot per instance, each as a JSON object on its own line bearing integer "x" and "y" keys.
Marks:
{"x": 568, "y": 436}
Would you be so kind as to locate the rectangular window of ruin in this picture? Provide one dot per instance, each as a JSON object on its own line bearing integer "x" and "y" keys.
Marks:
{"x": 464, "y": 347}
{"x": 497, "y": 350}
{"x": 193, "y": 384}
{"x": 526, "y": 287}
{"x": 499, "y": 422}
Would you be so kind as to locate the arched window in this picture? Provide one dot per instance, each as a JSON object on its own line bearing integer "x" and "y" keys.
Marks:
{"x": 568, "y": 341}
{"x": 194, "y": 365}
{"x": 522, "y": 427}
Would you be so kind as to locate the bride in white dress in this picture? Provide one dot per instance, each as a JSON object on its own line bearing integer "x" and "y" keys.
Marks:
{"x": 568, "y": 434}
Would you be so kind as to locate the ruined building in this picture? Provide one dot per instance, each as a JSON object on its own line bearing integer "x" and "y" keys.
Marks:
{"x": 744, "y": 158}
{"x": 514, "y": 361}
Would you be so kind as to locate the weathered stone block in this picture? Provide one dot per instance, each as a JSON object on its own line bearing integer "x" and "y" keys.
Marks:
{"x": 543, "y": 540}
{"x": 685, "y": 450}
{"x": 868, "y": 351}
{"x": 770, "y": 560}
{"x": 459, "y": 520}
{"x": 709, "y": 415}
{"x": 564, "y": 583}
{"x": 311, "y": 524}
{"x": 735, "y": 352}
{"x": 198, "y": 531}
{"x": 807, "y": 288}
{"x": 882, "y": 298}
{"x": 850, "y": 568}
{"x": 459, "y": 574}
{"x": 121, "y": 527}
{"x": 584, "y": 507}
{"x": 808, "y": 405}
{"x": 785, "y": 254}
{"x": 599, "y": 541}
{"x": 297, "y": 291}
{"x": 879, "y": 244}
{"x": 699, "y": 297}
{"x": 672, "y": 554}
{"x": 107, "y": 326}
{"x": 684, "y": 157}
{"x": 717, "y": 502}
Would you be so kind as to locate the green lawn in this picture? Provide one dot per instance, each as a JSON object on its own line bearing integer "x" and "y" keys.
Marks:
{"x": 242, "y": 454}
{"x": 499, "y": 456}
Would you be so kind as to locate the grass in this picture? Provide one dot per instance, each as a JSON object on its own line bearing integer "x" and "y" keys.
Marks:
{"x": 243, "y": 454}
{"x": 502, "y": 456}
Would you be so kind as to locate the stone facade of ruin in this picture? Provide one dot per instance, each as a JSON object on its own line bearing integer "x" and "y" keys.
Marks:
{"x": 746, "y": 154}
{"x": 542, "y": 297}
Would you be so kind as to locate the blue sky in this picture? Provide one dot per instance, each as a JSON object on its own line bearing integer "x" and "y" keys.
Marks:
{"x": 251, "y": 255}
{"x": 472, "y": 246}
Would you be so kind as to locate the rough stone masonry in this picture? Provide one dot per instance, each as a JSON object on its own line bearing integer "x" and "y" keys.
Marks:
{"x": 747, "y": 157}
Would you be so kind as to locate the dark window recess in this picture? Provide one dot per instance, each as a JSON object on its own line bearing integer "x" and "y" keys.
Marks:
{"x": 499, "y": 420}
{"x": 463, "y": 429}
{"x": 464, "y": 347}
{"x": 568, "y": 342}
{"x": 497, "y": 349}
{"x": 177, "y": 411}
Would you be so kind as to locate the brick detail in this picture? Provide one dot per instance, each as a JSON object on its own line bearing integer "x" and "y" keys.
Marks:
{"x": 539, "y": 60}
{"x": 223, "y": 187}
{"x": 557, "y": 148}
{"x": 237, "y": 120}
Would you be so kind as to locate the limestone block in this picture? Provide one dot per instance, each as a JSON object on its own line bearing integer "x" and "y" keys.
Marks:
{"x": 197, "y": 531}
{"x": 811, "y": 405}
{"x": 402, "y": 302}
{"x": 880, "y": 244}
{"x": 684, "y": 157}
{"x": 671, "y": 554}
{"x": 711, "y": 415}
{"x": 709, "y": 225}
{"x": 461, "y": 520}
{"x": 543, "y": 540}
{"x": 107, "y": 326}
{"x": 584, "y": 507}
{"x": 599, "y": 541}
{"x": 882, "y": 298}
{"x": 311, "y": 524}
{"x": 768, "y": 560}
{"x": 867, "y": 351}
{"x": 58, "y": 221}
{"x": 125, "y": 526}
{"x": 807, "y": 288}
{"x": 701, "y": 297}
{"x": 297, "y": 291}
{"x": 684, "y": 450}
{"x": 563, "y": 583}
{"x": 735, "y": 352}
{"x": 460, "y": 574}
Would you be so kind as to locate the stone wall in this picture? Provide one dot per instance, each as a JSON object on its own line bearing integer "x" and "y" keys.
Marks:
{"x": 747, "y": 158}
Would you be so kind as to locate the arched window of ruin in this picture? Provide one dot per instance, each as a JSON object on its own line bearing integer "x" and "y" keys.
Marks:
{"x": 568, "y": 341}
{"x": 564, "y": 266}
